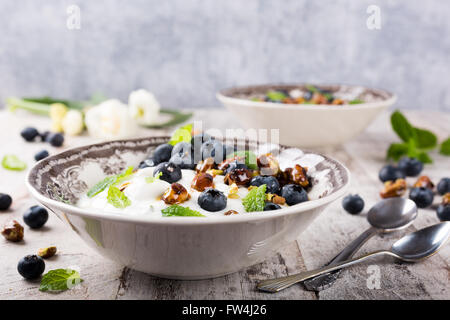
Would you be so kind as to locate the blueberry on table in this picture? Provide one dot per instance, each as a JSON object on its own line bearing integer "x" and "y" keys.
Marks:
{"x": 443, "y": 186}
{"x": 29, "y": 134}
{"x": 31, "y": 267}
{"x": 212, "y": 200}
{"x": 272, "y": 184}
{"x": 269, "y": 206}
{"x": 44, "y": 135}
{"x": 170, "y": 172}
{"x": 294, "y": 194}
{"x": 35, "y": 217}
{"x": 353, "y": 204}
{"x": 212, "y": 149}
{"x": 41, "y": 155}
{"x": 443, "y": 212}
{"x": 5, "y": 201}
{"x": 55, "y": 139}
{"x": 423, "y": 197}
{"x": 162, "y": 153}
{"x": 390, "y": 173}
{"x": 410, "y": 166}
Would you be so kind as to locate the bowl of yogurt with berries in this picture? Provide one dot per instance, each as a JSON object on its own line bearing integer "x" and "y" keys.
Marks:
{"x": 193, "y": 208}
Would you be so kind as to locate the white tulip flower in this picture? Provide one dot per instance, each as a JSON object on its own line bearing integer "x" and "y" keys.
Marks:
{"x": 110, "y": 120}
{"x": 143, "y": 106}
{"x": 72, "y": 123}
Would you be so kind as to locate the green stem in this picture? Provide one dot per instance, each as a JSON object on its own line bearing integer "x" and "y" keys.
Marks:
{"x": 35, "y": 107}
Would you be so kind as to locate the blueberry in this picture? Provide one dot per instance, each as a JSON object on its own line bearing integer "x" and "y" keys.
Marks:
{"x": 443, "y": 212}
{"x": 212, "y": 200}
{"x": 44, "y": 135}
{"x": 273, "y": 186}
{"x": 294, "y": 193}
{"x": 443, "y": 186}
{"x": 55, "y": 139}
{"x": 170, "y": 172}
{"x": 423, "y": 197}
{"x": 29, "y": 134}
{"x": 5, "y": 201}
{"x": 308, "y": 95}
{"x": 353, "y": 204}
{"x": 271, "y": 206}
{"x": 162, "y": 153}
{"x": 41, "y": 155}
{"x": 390, "y": 173}
{"x": 410, "y": 166}
{"x": 31, "y": 267}
{"x": 35, "y": 217}
{"x": 212, "y": 149}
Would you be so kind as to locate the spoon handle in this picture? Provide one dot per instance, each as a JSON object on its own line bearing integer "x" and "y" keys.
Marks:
{"x": 325, "y": 281}
{"x": 278, "y": 284}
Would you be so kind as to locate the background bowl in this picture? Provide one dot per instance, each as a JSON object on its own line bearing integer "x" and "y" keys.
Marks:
{"x": 304, "y": 125}
{"x": 178, "y": 248}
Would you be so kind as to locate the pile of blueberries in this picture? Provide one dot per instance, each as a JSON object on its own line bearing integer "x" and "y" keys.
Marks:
{"x": 423, "y": 197}
{"x": 169, "y": 160}
{"x": 55, "y": 139}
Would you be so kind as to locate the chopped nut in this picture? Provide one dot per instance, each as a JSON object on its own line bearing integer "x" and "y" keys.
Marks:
{"x": 215, "y": 172}
{"x": 268, "y": 164}
{"x": 205, "y": 165}
{"x": 239, "y": 176}
{"x": 425, "y": 182}
{"x": 278, "y": 200}
{"x": 297, "y": 175}
{"x": 202, "y": 181}
{"x": 175, "y": 194}
{"x": 226, "y": 163}
{"x": 230, "y": 212}
{"x": 393, "y": 189}
{"x": 338, "y": 101}
{"x": 124, "y": 186}
{"x": 47, "y": 252}
{"x": 300, "y": 100}
{"x": 13, "y": 231}
{"x": 233, "y": 191}
{"x": 269, "y": 196}
{"x": 446, "y": 199}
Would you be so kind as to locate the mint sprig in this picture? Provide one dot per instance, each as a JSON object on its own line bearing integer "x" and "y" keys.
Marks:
{"x": 182, "y": 134}
{"x": 60, "y": 280}
{"x": 417, "y": 142}
{"x": 12, "y": 162}
{"x": 117, "y": 198}
{"x": 153, "y": 179}
{"x": 109, "y": 181}
{"x": 255, "y": 199}
{"x": 179, "y": 211}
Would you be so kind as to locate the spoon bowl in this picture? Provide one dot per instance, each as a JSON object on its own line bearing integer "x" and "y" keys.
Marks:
{"x": 392, "y": 214}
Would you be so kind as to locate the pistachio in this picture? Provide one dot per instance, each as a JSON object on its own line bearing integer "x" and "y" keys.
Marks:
{"x": 393, "y": 188}
{"x": 47, "y": 252}
{"x": 268, "y": 165}
{"x": 202, "y": 181}
{"x": 230, "y": 212}
{"x": 425, "y": 182}
{"x": 13, "y": 231}
{"x": 175, "y": 194}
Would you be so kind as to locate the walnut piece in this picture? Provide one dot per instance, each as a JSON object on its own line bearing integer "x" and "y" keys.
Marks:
{"x": 202, "y": 181}
{"x": 241, "y": 177}
{"x": 446, "y": 199}
{"x": 13, "y": 231}
{"x": 425, "y": 182}
{"x": 47, "y": 252}
{"x": 393, "y": 189}
{"x": 205, "y": 165}
{"x": 268, "y": 165}
{"x": 230, "y": 212}
{"x": 296, "y": 175}
{"x": 175, "y": 194}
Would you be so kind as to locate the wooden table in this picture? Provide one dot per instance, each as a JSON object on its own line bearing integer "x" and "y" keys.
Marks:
{"x": 104, "y": 279}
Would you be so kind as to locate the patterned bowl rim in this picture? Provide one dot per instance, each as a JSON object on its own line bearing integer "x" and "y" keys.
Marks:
{"x": 194, "y": 221}
{"x": 227, "y": 96}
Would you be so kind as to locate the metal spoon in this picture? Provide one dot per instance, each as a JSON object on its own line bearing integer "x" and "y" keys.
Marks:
{"x": 386, "y": 216}
{"x": 411, "y": 247}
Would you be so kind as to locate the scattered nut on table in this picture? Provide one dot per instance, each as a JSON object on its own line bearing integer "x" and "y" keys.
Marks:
{"x": 393, "y": 188}
{"x": 47, "y": 252}
{"x": 13, "y": 231}
{"x": 425, "y": 182}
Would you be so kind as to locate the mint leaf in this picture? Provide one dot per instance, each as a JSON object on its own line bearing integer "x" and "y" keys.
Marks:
{"x": 250, "y": 158}
{"x": 425, "y": 139}
{"x": 153, "y": 179}
{"x": 11, "y": 162}
{"x": 423, "y": 157}
{"x": 402, "y": 127}
{"x": 59, "y": 280}
{"x": 311, "y": 88}
{"x": 397, "y": 150}
{"x": 255, "y": 199}
{"x": 109, "y": 181}
{"x": 179, "y": 211}
{"x": 182, "y": 134}
{"x": 445, "y": 147}
{"x": 355, "y": 101}
{"x": 117, "y": 198}
{"x": 275, "y": 95}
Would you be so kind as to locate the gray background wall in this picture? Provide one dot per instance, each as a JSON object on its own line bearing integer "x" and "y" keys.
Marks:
{"x": 186, "y": 50}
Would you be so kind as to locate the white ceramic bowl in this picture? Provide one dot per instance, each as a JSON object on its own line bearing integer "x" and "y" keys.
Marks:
{"x": 172, "y": 247}
{"x": 304, "y": 125}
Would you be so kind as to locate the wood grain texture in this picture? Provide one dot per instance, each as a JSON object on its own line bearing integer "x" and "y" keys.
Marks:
{"x": 322, "y": 240}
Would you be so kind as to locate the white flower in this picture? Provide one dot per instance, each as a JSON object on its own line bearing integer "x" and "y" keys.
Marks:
{"x": 72, "y": 123}
{"x": 110, "y": 120}
{"x": 143, "y": 106}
